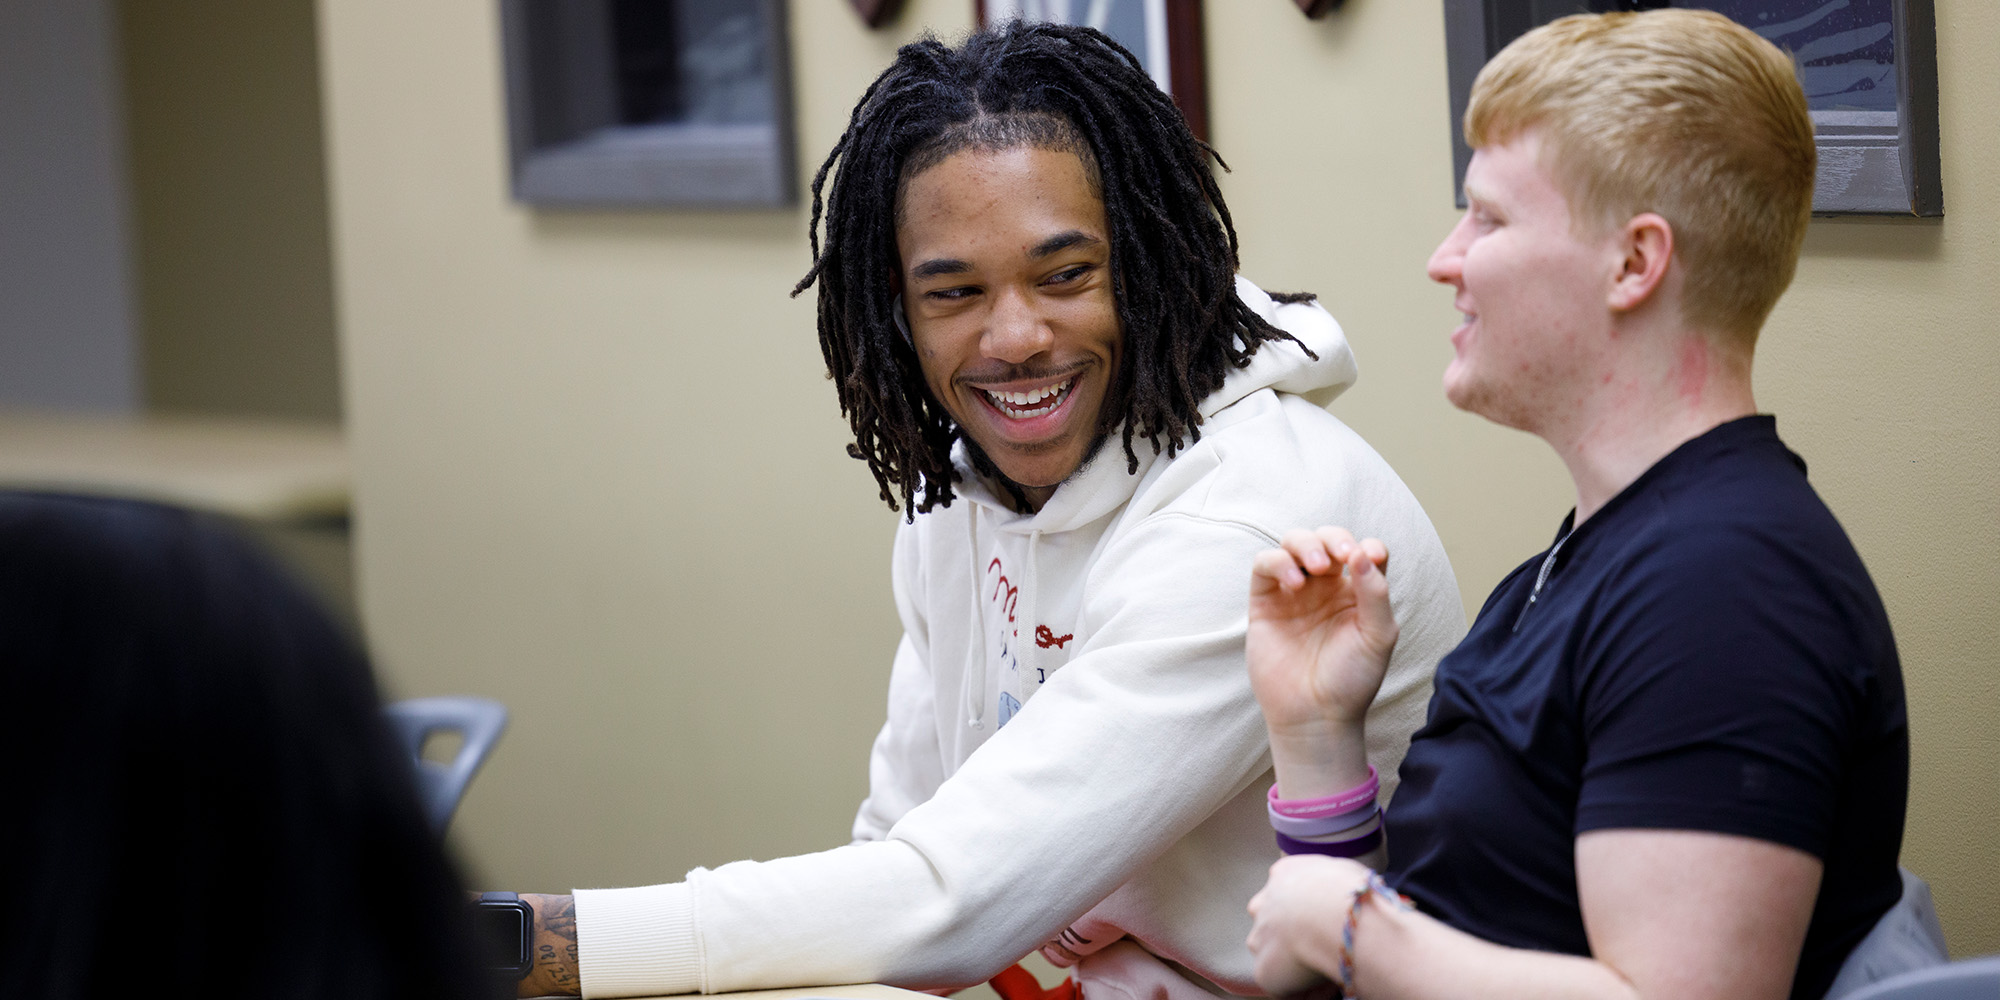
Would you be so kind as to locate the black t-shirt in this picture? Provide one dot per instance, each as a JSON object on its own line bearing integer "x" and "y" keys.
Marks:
{"x": 1707, "y": 653}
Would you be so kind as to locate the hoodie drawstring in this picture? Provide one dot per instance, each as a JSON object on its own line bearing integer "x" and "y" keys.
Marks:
{"x": 974, "y": 698}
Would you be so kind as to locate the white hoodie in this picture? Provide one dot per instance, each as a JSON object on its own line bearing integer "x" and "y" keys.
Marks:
{"x": 1127, "y": 802}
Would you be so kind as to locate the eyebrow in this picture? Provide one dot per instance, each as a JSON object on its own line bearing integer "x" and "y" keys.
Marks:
{"x": 1061, "y": 242}
{"x": 939, "y": 265}
{"x": 1053, "y": 245}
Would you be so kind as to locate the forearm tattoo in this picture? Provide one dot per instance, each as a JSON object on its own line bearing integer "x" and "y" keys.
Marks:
{"x": 556, "y": 971}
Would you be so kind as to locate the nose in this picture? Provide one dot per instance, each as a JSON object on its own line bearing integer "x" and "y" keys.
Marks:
{"x": 1015, "y": 329}
{"x": 1447, "y": 262}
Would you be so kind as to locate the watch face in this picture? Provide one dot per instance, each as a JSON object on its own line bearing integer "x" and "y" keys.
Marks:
{"x": 503, "y": 930}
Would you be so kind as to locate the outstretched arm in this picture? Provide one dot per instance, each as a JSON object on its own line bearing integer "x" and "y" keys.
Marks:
{"x": 1135, "y": 741}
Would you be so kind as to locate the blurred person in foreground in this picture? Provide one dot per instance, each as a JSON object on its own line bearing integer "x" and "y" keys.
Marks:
{"x": 1671, "y": 757}
{"x": 1029, "y": 308}
{"x": 205, "y": 799}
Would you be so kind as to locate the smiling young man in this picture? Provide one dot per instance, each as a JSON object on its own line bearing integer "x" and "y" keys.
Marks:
{"x": 1670, "y": 758}
{"x": 1029, "y": 309}
{"x": 1007, "y": 273}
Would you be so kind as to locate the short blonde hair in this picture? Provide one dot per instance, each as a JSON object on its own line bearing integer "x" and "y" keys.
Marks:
{"x": 1684, "y": 113}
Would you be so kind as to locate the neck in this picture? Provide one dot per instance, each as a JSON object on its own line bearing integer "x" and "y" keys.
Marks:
{"x": 1646, "y": 403}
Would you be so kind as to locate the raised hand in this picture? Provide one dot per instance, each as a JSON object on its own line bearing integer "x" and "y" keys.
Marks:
{"x": 1319, "y": 641}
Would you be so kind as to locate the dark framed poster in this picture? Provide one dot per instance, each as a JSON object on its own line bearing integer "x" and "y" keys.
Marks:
{"x": 649, "y": 102}
{"x": 1869, "y": 68}
{"x": 1164, "y": 34}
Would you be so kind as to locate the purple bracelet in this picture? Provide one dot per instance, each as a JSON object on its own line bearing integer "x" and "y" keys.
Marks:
{"x": 1338, "y": 848}
{"x": 1331, "y": 805}
{"x": 1314, "y": 829}
{"x": 1356, "y": 832}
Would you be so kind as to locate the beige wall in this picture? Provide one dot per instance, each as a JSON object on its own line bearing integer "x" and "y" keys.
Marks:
{"x": 229, "y": 183}
{"x": 600, "y": 469}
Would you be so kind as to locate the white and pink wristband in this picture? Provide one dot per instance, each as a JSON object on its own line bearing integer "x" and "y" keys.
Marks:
{"x": 1345, "y": 825}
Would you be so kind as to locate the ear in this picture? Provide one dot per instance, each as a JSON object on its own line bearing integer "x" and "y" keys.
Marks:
{"x": 1646, "y": 247}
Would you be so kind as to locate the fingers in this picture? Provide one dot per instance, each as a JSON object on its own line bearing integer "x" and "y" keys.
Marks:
{"x": 1342, "y": 545}
{"x": 1315, "y": 553}
{"x": 1335, "y": 546}
{"x": 1378, "y": 552}
{"x": 1320, "y": 552}
{"x": 1284, "y": 925}
{"x": 1328, "y": 546}
{"x": 1275, "y": 568}
{"x": 1364, "y": 564}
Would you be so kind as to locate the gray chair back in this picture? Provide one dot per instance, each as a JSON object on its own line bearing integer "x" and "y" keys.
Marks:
{"x": 1908, "y": 938}
{"x": 1972, "y": 979}
{"x": 478, "y": 721}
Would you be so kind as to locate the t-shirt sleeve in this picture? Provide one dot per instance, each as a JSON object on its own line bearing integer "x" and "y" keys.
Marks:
{"x": 1716, "y": 694}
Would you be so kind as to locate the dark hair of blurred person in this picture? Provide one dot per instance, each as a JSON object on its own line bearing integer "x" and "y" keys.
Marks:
{"x": 203, "y": 798}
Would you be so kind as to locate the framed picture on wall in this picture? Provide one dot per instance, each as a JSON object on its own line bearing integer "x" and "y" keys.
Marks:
{"x": 1869, "y": 68}
{"x": 1164, "y": 34}
{"x": 648, "y": 102}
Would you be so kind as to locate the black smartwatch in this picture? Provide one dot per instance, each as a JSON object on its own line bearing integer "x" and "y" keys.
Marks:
{"x": 507, "y": 928}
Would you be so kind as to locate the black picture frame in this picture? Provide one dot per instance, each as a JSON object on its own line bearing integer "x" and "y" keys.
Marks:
{"x": 649, "y": 103}
{"x": 1172, "y": 34}
{"x": 1870, "y": 163}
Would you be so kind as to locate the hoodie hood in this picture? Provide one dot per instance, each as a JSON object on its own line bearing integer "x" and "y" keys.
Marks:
{"x": 1102, "y": 484}
{"x": 1281, "y": 365}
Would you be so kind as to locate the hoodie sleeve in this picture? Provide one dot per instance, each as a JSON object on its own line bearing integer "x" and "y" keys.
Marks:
{"x": 1144, "y": 734}
{"x": 1139, "y": 737}
{"x": 906, "y": 764}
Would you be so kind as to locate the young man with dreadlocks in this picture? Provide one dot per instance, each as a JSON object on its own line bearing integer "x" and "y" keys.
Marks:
{"x": 1029, "y": 308}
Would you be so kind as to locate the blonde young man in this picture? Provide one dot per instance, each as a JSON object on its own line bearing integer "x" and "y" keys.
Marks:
{"x": 1670, "y": 758}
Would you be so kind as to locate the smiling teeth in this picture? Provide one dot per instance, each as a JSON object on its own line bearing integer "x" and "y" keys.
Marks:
{"x": 1021, "y": 405}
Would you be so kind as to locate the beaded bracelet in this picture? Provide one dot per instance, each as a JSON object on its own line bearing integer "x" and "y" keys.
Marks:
{"x": 1378, "y": 889}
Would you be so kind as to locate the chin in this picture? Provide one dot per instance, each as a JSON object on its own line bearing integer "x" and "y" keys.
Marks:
{"x": 1458, "y": 392}
{"x": 1047, "y": 466}
{"x": 1038, "y": 476}
{"x": 1479, "y": 400}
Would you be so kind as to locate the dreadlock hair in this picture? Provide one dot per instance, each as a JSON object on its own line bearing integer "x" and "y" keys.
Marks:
{"x": 1173, "y": 246}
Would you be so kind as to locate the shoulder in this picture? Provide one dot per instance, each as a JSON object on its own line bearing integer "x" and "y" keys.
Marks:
{"x": 1737, "y": 581}
{"x": 1743, "y": 485}
{"x": 1742, "y": 534}
{"x": 1274, "y": 462}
